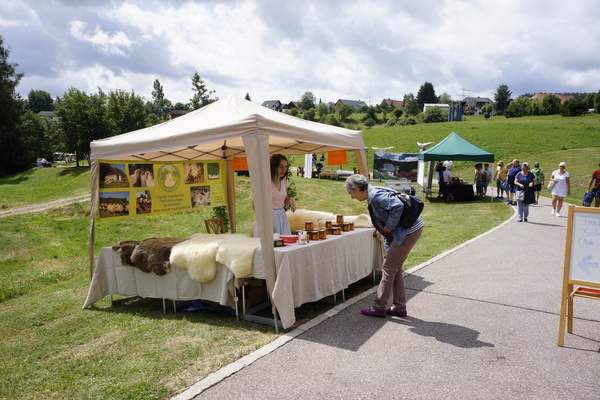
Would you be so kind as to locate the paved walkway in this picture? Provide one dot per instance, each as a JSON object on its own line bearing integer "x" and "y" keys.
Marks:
{"x": 483, "y": 324}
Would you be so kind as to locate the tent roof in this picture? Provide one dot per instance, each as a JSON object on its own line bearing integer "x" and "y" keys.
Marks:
{"x": 216, "y": 132}
{"x": 454, "y": 147}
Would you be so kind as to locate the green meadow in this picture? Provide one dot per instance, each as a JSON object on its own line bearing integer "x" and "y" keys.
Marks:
{"x": 51, "y": 348}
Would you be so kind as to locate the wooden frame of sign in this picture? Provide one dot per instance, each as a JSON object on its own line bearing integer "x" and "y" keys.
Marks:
{"x": 582, "y": 263}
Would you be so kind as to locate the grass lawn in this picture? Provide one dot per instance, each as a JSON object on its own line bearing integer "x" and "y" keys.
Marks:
{"x": 51, "y": 348}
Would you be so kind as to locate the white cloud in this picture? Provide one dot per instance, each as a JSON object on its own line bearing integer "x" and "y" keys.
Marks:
{"x": 112, "y": 44}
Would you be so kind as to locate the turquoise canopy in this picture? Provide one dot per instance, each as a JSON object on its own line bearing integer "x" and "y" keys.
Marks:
{"x": 455, "y": 148}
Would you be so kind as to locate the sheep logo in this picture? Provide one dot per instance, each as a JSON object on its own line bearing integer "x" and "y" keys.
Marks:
{"x": 169, "y": 177}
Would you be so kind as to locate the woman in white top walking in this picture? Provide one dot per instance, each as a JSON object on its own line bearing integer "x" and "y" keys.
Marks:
{"x": 561, "y": 189}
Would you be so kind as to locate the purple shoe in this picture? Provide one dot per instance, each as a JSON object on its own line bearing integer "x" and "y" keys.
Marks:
{"x": 371, "y": 312}
{"x": 397, "y": 313}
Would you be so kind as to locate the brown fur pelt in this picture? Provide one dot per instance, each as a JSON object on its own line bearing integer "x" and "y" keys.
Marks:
{"x": 149, "y": 255}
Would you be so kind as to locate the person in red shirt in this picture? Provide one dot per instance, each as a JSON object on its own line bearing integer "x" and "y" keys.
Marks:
{"x": 595, "y": 177}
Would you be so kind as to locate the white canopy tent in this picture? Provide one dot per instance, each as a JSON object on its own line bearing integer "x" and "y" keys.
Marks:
{"x": 227, "y": 128}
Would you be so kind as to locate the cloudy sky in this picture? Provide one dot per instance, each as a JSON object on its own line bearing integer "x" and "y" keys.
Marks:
{"x": 279, "y": 49}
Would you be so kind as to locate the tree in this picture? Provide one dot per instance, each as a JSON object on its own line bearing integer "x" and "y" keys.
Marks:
{"x": 502, "y": 98}
{"x": 14, "y": 153}
{"x": 83, "y": 119}
{"x": 308, "y": 101}
{"x": 322, "y": 109}
{"x": 426, "y": 94}
{"x": 125, "y": 112}
{"x": 486, "y": 110}
{"x": 597, "y": 102}
{"x": 344, "y": 111}
{"x": 550, "y": 105}
{"x": 40, "y": 133}
{"x": 160, "y": 106}
{"x": 410, "y": 105}
{"x": 38, "y": 100}
{"x": 434, "y": 114}
{"x": 201, "y": 93}
{"x": 573, "y": 108}
{"x": 445, "y": 98}
{"x": 519, "y": 107}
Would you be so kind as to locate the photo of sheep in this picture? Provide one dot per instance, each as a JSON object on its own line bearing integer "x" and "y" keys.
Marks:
{"x": 141, "y": 175}
{"x": 193, "y": 172}
{"x": 113, "y": 176}
{"x": 200, "y": 196}
{"x": 113, "y": 204}
{"x": 143, "y": 203}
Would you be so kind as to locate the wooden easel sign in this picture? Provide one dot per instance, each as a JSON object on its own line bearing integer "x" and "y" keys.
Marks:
{"x": 581, "y": 276}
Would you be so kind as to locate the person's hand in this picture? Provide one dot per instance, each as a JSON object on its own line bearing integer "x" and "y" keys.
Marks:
{"x": 292, "y": 204}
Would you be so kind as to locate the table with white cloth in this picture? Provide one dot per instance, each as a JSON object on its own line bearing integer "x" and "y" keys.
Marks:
{"x": 305, "y": 273}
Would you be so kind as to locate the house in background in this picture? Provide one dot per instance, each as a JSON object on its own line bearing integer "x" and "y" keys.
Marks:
{"x": 395, "y": 103}
{"x": 176, "y": 113}
{"x": 354, "y": 103}
{"x": 562, "y": 97}
{"x": 472, "y": 105}
{"x": 273, "y": 105}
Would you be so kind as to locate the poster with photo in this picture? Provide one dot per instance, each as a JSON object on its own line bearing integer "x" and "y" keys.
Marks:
{"x": 133, "y": 189}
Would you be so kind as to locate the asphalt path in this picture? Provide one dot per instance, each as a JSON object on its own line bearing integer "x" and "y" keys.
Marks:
{"x": 483, "y": 324}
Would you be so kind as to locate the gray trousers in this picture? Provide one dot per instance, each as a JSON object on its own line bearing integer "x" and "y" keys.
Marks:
{"x": 392, "y": 281}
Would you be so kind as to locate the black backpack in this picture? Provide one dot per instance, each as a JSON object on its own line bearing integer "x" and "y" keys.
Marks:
{"x": 413, "y": 206}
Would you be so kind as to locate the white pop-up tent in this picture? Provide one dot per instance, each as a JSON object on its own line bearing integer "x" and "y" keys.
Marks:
{"x": 228, "y": 128}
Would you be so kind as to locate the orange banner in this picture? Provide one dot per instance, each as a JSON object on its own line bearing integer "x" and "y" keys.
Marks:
{"x": 240, "y": 164}
{"x": 338, "y": 157}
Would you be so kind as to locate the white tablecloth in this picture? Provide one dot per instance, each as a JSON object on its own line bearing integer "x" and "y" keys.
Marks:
{"x": 305, "y": 273}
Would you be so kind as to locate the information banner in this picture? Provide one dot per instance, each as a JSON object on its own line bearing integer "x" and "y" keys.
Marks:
{"x": 395, "y": 166}
{"x": 129, "y": 189}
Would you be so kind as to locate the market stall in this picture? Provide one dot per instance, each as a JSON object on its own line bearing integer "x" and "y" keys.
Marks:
{"x": 455, "y": 148}
{"x": 227, "y": 129}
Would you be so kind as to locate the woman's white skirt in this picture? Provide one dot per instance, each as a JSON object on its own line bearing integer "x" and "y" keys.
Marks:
{"x": 280, "y": 223}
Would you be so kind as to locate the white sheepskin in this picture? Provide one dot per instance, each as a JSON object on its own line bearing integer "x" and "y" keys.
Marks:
{"x": 201, "y": 252}
{"x": 318, "y": 218}
{"x": 198, "y": 255}
{"x": 237, "y": 254}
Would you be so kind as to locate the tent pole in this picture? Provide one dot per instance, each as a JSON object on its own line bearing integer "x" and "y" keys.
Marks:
{"x": 361, "y": 160}
{"x": 231, "y": 195}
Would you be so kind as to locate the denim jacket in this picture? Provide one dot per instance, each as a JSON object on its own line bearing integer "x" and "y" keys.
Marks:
{"x": 387, "y": 210}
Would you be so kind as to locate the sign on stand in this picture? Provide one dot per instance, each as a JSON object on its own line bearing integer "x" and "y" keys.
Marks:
{"x": 581, "y": 276}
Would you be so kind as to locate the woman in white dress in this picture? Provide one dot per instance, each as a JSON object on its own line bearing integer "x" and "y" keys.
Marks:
{"x": 561, "y": 189}
{"x": 279, "y": 184}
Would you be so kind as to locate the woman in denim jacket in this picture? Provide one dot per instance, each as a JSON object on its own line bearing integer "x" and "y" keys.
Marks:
{"x": 386, "y": 209}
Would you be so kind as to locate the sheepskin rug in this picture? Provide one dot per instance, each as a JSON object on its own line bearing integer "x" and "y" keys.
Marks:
{"x": 318, "y": 218}
{"x": 200, "y": 254}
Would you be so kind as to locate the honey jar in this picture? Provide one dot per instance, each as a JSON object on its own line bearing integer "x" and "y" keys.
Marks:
{"x": 339, "y": 219}
{"x": 314, "y": 235}
{"x": 308, "y": 226}
{"x": 346, "y": 227}
{"x": 322, "y": 234}
{"x": 337, "y": 230}
{"x": 351, "y": 225}
{"x": 328, "y": 224}
{"x": 329, "y": 231}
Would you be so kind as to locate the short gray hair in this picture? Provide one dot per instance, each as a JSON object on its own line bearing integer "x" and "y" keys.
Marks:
{"x": 525, "y": 164}
{"x": 356, "y": 181}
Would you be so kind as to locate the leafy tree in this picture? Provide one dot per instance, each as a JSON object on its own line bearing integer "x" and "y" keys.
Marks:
{"x": 369, "y": 122}
{"x": 410, "y": 105}
{"x": 125, "y": 112}
{"x": 309, "y": 114}
{"x": 550, "y": 105}
{"x": 589, "y": 100}
{"x": 518, "y": 107}
{"x": 160, "y": 106}
{"x": 308, "y": 101}
{"x": 40, "y": 134}
{"x": 573, "y": 108}
{"x": 434, "y": 114}
{"x": 38, "y": 100}
{"x": 370, "y": 113}
{"x": 344, "y": 111}
{"x": 426, "y": 94}
{"x": 201, "y": 93}
{"x": 322, "y": 109}
{"x": 14, "y": 153}
{"x": 486, "y": 110}
{"x": 83, "y": 119}
{"x": 181, "y": 106}
{"x": 397, "y": 113}
{"x": 597, "y": 102}
{"x": 502, "y": 98}
{"x": 445, "y": 98}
